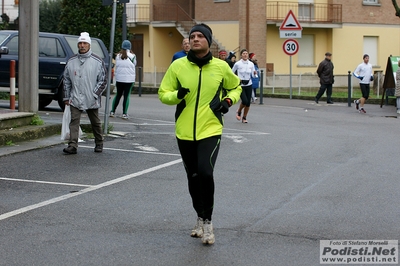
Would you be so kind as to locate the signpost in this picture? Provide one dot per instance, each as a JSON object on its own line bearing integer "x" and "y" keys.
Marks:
{"x": 290, "y": 27}
{"x": 114, "y": 14}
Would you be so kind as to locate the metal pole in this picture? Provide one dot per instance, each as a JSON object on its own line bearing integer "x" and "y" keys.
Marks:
{"x": 140, "y": 82}
{"x": 114, "y": 12}
{"x": 12, "y": 84}
{"x": 124, "y": 18}
{"x": 261, "y": 86}
{"x": 290, "y": 77}
{"x": 299, "y": 93}
{"x": 349, "y": 89}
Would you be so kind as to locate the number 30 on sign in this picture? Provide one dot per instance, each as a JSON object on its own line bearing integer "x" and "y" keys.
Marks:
{"x": 290, "y": 47}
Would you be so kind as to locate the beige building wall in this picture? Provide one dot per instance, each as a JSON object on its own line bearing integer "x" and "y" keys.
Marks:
{"x": 348, "y": 43}
{"x": 226, "y": 33}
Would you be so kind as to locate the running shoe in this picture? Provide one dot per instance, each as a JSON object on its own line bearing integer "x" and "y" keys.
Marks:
{"x": 197, "y": 231}
{"x": 362, "y": 111}
{"x": 357, "y": 103}
{"x": 208, "y": 235}
{"x": 124, "y": 116}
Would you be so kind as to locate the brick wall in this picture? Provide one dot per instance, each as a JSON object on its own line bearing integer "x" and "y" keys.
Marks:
{"x": 187, "y": 5}
{"x": 355, "y": 12}
{"x": 253, "y": 28}
{"x": 208, "y": 10}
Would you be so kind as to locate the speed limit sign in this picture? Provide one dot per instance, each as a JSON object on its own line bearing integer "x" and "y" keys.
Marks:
{"x": 290, "y": 47}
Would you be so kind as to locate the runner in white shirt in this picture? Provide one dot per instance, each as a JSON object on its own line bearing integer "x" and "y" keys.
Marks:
{"x": 245, "y": 70}
{"x": 364, "y": 73}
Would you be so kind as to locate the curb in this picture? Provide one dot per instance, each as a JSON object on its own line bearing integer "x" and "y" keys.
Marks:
{"x": 28, "y": 133}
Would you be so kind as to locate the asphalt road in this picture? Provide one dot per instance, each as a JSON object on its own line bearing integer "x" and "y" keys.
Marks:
{"x": 296, "y": 174}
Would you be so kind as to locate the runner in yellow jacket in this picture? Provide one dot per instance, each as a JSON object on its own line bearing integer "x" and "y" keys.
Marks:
{"x": 203, "y": 88}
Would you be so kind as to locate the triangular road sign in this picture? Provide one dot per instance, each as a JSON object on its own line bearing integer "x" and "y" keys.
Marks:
{"x": 290, "y": 22}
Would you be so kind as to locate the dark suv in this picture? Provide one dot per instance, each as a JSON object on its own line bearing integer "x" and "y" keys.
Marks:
{"x": 54, "y": 51}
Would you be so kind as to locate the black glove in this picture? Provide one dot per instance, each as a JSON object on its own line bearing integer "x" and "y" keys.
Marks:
{"x": 225, "y": 104}
{"x": 182, "y": 92}
{"x": 361, "y": 78}
{"x": 372, "y": 78}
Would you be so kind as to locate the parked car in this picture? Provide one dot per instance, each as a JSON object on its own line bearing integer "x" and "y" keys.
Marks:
{"x": 54, "y": 51}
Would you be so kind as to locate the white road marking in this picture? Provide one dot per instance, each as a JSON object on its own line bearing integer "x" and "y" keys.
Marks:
{"x": 86, "y": 190}
{"x": 43, "y": 182}
{"x": 236, "y": 138}
{"x": 112, "y": 149}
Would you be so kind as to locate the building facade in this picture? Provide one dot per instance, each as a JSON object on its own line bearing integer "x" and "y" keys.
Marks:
{"x": 347, "y": 29}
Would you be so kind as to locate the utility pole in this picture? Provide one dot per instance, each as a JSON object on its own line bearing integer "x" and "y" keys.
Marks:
{"x": 124, "y": 18}
{"x": 28, "y": 61}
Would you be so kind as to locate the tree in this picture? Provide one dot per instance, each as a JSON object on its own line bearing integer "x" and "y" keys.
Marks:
{"x": 49, "y": 15}
{"x": 91, "y": 16}
{"x": 5, "y": 19}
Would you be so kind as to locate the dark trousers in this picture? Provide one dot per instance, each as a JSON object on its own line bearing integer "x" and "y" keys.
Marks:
{"x": 245, "y": 96}
{"x": 328, "y": 88}
{"x": 364, "y": 90}
{"x": 199, "y": 159}
{"x": 93, "y": 115}
{"x": 125, "y": 90}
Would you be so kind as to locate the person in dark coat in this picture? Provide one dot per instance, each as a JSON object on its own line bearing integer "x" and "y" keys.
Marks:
{"x": 326, "y": 78}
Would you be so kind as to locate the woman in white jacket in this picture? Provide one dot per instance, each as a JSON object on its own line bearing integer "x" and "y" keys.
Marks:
{"x": 125, "y": 64}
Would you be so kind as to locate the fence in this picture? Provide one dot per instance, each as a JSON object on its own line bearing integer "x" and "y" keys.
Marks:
{"x": 302, "y": 84}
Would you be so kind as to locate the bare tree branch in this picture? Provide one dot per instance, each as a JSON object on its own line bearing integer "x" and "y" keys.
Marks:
{"x": 396, "y": 6}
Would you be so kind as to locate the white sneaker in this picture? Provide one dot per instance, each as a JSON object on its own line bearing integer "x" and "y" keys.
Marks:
{"x": 197, "y": 231}
{"x": 398, "y": 111}
{"x": 124, "y": 116}
{"x": 208, "y": 234}
{"x": 112, "y": 114}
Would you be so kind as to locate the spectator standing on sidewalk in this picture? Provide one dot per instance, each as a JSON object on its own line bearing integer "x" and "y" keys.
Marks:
{"x": 125, "y": 75}
{"x": 364, "y": 73}
{"x": 184, "y": 51}
{"x": 326, "y": 78}
{"x": 256, "y": 79}
{"x": 197, "y": 86}
{"x": 85, "y": 79}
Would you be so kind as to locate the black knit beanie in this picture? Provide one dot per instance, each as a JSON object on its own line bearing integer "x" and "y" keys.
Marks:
{"x": 205, "y": 29}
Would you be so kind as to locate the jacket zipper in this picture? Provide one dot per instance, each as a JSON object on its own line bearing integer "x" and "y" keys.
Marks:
{"x": 197, "y": 106}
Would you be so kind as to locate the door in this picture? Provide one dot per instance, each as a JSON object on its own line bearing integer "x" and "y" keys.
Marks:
{"x": 137, "y": 48}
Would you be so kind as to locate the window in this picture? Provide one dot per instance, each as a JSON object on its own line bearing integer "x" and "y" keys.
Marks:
{"x": 371, "y": 49}
{"x": 13, "y": 46}
{"x": 306, "y": 10}
{"x": 371, "y": 2}
{"x": 306, "y": 50}
{"x": 50, "y": 47}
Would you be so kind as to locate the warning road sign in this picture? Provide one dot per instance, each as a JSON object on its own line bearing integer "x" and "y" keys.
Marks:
{"x": 290, "y": 27}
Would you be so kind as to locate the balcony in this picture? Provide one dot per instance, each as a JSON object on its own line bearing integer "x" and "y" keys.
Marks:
{"x": 305, "y": 12}
{"x": 138, "y": 14}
